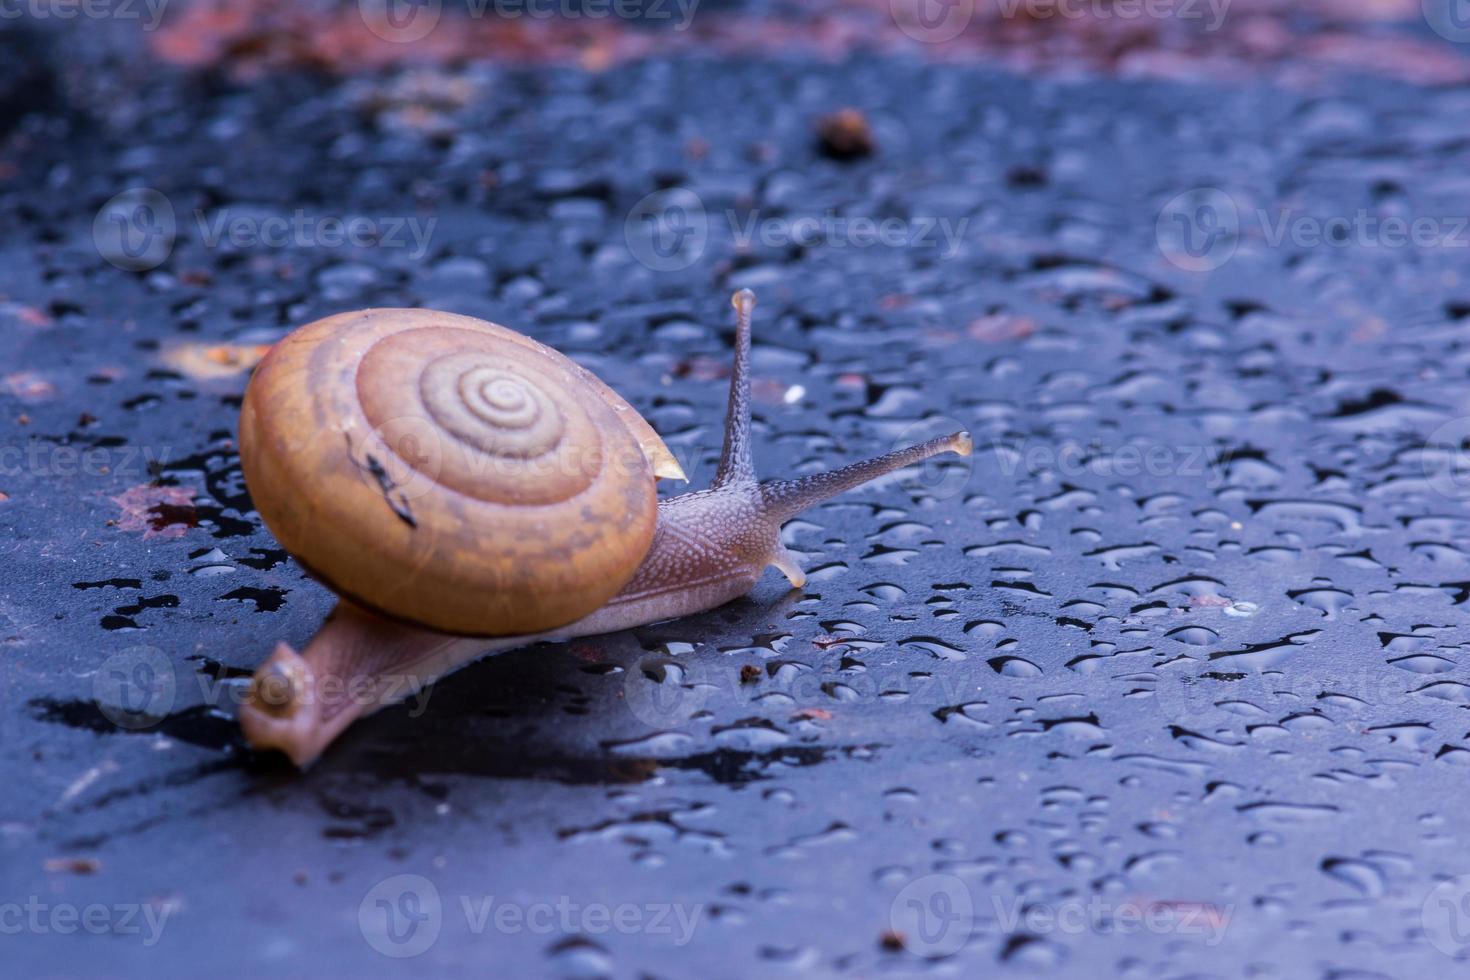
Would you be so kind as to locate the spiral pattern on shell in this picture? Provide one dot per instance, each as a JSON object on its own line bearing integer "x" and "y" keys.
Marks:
{"x": 449, "y": 471}
{"x": 492, "y": 421}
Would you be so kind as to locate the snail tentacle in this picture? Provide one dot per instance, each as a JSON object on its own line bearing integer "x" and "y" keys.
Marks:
{"x": 737, "y": 464}
{"x": 784, "y": 499}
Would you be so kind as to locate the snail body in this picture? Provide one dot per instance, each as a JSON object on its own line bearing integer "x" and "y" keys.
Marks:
{"x": 466, "y": 489}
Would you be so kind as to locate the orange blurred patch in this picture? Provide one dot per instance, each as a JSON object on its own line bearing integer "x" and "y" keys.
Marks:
{"x": 29, "y": 316}
{"x": 28, "y": 386}
{"x": 206, "y": 361}
{"x": 998, "y": 328}
{"x": 249, "y": 38}
{"x": 1295, "y": 39}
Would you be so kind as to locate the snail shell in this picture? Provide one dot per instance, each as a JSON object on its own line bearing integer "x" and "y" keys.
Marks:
{"x": 450, "y": 472}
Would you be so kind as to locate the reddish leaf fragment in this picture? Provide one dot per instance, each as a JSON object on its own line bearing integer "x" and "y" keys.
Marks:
{"x": 159, "y": 512}
{"x": 28, "y": 386}
{"x": 995, "y": 328}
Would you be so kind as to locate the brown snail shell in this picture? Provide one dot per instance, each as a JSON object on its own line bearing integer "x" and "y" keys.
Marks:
{"x": 450, "y": 472}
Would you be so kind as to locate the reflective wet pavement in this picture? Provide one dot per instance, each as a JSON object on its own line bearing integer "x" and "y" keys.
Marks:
{"x": 1166, "y": 682}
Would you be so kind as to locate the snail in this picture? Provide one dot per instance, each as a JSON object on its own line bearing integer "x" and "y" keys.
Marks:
{"x": 465, "y": 489}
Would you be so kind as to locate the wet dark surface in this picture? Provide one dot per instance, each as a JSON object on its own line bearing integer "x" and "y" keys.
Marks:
{"x": 1184, "y": 640}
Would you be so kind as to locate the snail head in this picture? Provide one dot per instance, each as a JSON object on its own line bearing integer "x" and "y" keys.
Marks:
{"x": 280, "y": 710}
